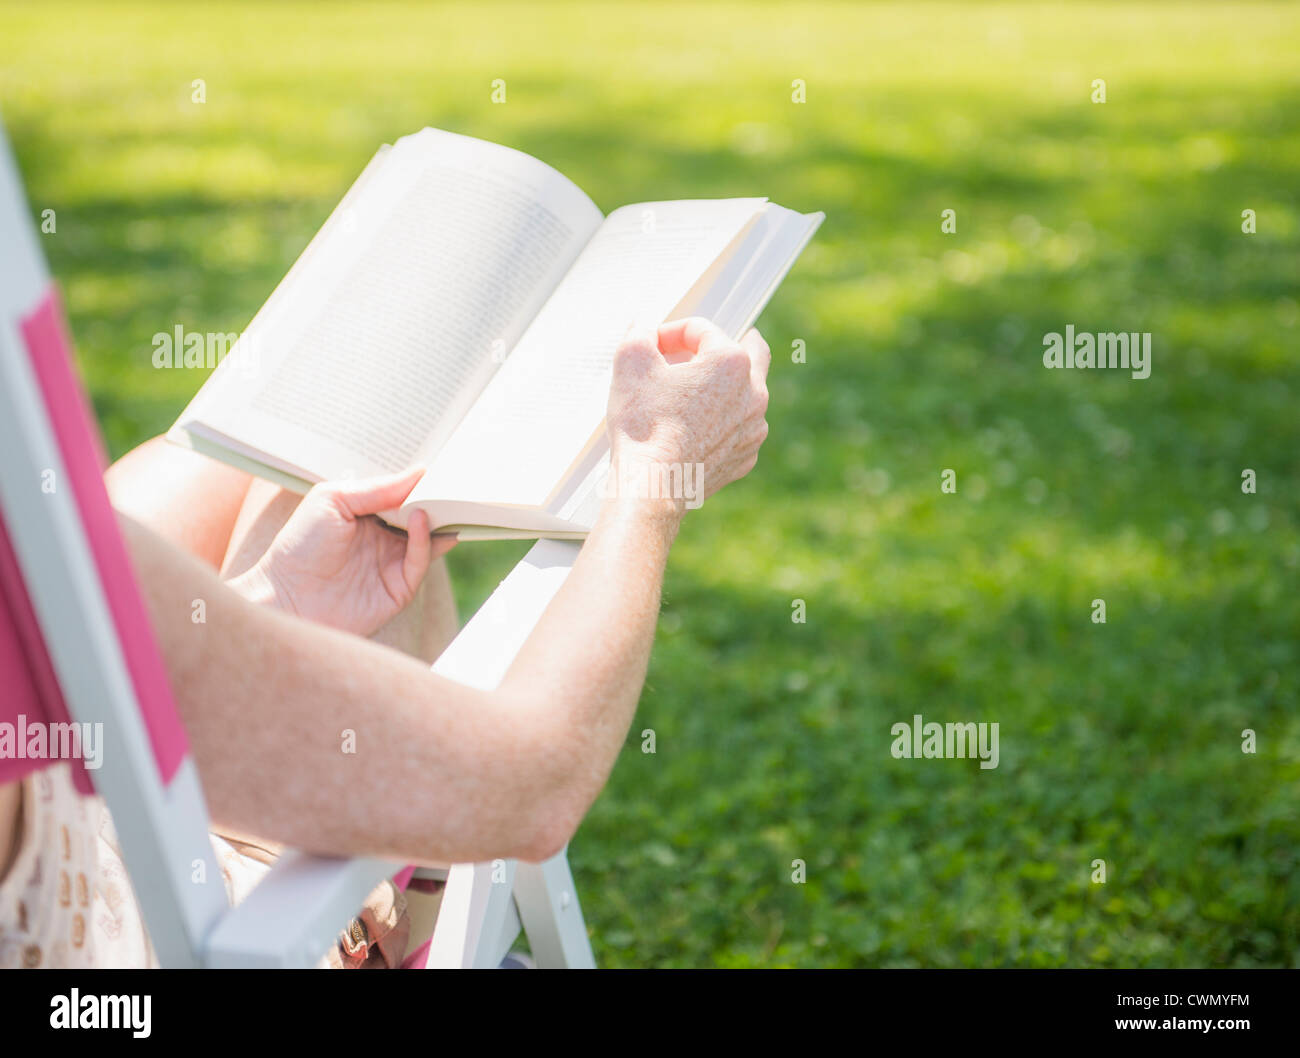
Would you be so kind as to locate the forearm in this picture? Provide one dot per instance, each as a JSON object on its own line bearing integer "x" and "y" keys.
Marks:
{"x": 327, "y": 742}
{"x": 561, "y": 714}
{"x": 585, "y": 662}
{"x": 440, "y": 771}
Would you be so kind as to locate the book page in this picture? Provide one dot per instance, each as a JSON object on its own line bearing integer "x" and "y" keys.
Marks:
{"x": 734, "y": 297}
{"x": 732, "y": 294}
{"x": 391, "y": 327}
{"x": 541, "y": 411}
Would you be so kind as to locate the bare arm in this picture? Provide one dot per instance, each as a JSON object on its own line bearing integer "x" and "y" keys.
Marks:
{"x": 191, "y": 499}
{"x": 443, "y": 772}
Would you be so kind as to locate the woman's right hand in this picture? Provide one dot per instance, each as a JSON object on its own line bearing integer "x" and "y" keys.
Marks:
{"x": 686, "y": 404}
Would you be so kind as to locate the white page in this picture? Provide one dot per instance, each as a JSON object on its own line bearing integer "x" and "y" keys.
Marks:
{"x": 732, "y": 295}
{"x": 391, "y": 327}
{"x": 541, "y": 410}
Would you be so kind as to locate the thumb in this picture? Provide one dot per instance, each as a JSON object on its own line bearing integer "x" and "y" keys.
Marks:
{"x": 422, "y": 549}
{"x": 419, "y": 551}
{"x": 690, "y": 337}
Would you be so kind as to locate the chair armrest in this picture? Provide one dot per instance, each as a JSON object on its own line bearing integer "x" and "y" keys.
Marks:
{"x": 483, "y": 651}
{"x": 295, "y": 913}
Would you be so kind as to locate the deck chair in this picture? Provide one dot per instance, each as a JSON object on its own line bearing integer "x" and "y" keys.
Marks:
{"x": 76, "y": 645}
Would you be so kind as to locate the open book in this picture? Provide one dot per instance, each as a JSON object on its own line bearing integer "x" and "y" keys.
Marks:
{"x": 459, "y": 311}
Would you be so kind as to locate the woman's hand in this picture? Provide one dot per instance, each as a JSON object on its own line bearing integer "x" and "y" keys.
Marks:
{"x": 334, "y": 563}
{"x": 686, "y": 411}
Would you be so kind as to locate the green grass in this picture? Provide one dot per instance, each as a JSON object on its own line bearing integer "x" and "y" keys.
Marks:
{"x": 1119, "y": 741}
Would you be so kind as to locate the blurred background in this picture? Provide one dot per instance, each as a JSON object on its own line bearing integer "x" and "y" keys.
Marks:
{"x": 1120, "y": 741}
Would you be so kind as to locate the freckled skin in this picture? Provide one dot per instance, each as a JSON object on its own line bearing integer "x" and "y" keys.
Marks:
{"x": 442, "y": 773}
{"x": 697, "y": 398}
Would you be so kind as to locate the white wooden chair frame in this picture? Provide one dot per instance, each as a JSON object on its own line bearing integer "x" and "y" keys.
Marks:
{"x": 296, "y": 912}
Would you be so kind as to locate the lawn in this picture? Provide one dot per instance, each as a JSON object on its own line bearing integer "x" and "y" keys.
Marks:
{"x": 1119, "y": 741}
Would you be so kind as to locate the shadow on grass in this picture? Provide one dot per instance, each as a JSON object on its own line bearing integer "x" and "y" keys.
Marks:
{"x": 1120, "y": 742}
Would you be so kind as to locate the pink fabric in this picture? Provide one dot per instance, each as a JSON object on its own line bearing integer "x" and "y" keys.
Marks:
{"x": 419, "y": 958}
{"x": 403, "y": 877}
{"x": 31, "y": 689}
{"x": 84, "y": 462}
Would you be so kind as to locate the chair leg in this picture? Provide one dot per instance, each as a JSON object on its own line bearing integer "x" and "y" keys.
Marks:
{"x": 551, "y": 915}
{"x": 474, "y": 916}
